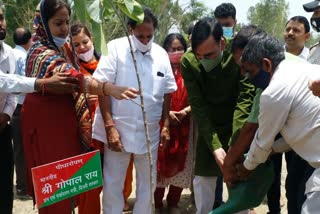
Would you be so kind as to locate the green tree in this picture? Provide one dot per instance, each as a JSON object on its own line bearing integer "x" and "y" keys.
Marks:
{"x": 270, "y": 15}
{"x": 194, "y": 11}
{"x": 314, "y": 38}
{"x": 19, "y": 13}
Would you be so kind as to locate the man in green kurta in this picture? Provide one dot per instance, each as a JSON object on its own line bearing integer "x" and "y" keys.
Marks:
{"x": 213, "y": 82}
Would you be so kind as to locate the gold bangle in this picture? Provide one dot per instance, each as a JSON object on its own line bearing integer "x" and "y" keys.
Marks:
{"x": 166, "y": 129}
{"x": 109, "y": 125}
{"x": 103, "y": 87}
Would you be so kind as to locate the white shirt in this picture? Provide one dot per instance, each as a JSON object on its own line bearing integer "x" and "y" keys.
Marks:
{"x": 8, "y": 102}
{"x": 289, "y": 107}
{"x": 20, "y": 54}
{"x": 304, "y": 53}
{"x": 12, "y": 83}
{"x": 156, "y": 79}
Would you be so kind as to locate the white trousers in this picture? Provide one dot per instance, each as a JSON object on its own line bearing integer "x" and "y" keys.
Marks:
{"x": 114, "y": 171}
{"x": 311, "y": 204}
{"x": 204, "y": 189}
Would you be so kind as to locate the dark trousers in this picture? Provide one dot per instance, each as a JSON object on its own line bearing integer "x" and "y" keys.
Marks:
{"x": 6, "y": 170}
{"x": 173, "y": 196}
{"x": 18, "y": 152}
{"x": 299, "y": 172}
{"x": 219, "y": 192}
{"x": 274, "y": 192}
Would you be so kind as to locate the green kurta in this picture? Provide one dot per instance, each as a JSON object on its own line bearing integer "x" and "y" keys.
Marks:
{"x": 213, "y": 96}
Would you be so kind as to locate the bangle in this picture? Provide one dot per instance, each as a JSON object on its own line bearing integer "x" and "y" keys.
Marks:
{"x": 103, "y": 87}
{"x": 43, "y": 86}
{"x": 87, "y": 82}
{"x": 109, "y": 125}
{"x": 166, "y": 129}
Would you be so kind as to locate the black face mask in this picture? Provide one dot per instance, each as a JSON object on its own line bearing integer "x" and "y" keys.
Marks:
{"x": 315, "y": 23}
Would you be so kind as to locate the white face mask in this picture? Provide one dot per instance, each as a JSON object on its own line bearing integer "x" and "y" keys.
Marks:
{"x": 59, "y": 41}
{"x": 140, "y": 46}
{"x": 87, "y": 56}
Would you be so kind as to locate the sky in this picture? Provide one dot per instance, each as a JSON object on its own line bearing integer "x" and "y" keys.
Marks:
{"x": 242, "y": 6}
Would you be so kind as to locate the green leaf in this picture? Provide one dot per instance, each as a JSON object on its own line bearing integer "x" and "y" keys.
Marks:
{"x": 137, "y": 13}
{"x": 129, "y": 5}
{"x": 95, "y": 10}
{"x": 80, "y": 8}
{"x": 99, "y": 40}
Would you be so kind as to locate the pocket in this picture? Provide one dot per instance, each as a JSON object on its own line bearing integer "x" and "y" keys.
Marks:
{"x": 158, "y": 87}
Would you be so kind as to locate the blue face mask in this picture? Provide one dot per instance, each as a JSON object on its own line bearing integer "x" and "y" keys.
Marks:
{"x": 227, "y": 32}
{"x": 261, "y": 79}
{"x": 59, "y": 41}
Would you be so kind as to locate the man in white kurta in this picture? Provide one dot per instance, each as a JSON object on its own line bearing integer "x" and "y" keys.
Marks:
{"x": 124, "y": 125}
{"x": 286, "y": 106}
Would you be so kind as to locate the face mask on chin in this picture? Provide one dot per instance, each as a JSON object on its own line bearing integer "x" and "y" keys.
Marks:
{"x": 87, "y": 56}
{"x": 261, "y": 79}
{"x": 59, "y": 41}
{"x": 140, "y": 46}
{"x": 315, "y": 23}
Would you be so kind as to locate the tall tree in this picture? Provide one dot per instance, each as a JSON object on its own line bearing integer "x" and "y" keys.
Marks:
{"x": 19, "y": 13}
{"x": 194, "y": 11}
{"x": 270, "y": 15}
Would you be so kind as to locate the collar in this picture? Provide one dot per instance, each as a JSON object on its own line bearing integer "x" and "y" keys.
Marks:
{"x": 3, "y": 52}
{"x": 20, "y": 48}
{"x": 304, "y": 53}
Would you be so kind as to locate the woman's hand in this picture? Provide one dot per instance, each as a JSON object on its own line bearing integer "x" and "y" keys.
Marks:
{"x": 174, "y": 120}
{"x": 92, "y": 99}
{"x": 164, "y": 138}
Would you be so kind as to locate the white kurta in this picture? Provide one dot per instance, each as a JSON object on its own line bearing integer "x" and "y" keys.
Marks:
{"x": 157, "y": 80}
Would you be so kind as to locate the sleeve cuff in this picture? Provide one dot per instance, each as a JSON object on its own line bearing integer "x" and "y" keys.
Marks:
{"x": 249, "y": 165}
{"x": 256, "y": 156}
{"x": 8, "y": 111}
{"x": 30, "y": 82}
{"x": 216, "y": 144}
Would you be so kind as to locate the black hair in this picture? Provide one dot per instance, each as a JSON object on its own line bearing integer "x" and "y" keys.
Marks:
{"x": 169, "y": 39}
{"x": 205, "y": 28}
{"x": 303, "y": 20}
{"x": 190, "y": 27}
{"x": 149, "y": 17}
{"x": 77, "y": 28}
{"x": 225, "y": 10}
{"x": 21, "y": 36}
{"x": 261, "y": 46}
{"x": 52, "y": 6}
{"x": 243, "y": 36}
